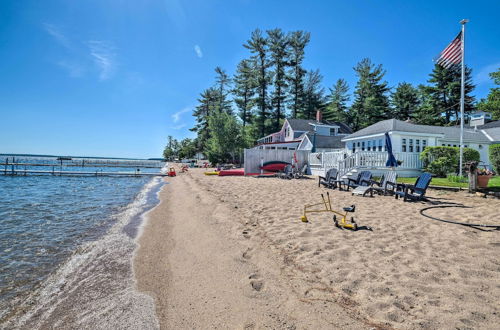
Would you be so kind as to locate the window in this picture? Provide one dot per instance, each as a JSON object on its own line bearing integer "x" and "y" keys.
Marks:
{"x": 363, "y": 146}
{"x": 369, "y": 145}
{"x": 417, "y": 147}
{"x": 379, "y": 145}
{"x": 403, "y": 145}
{"x": 410, "y": 149}
{"x": 332, "y": 132}
{"x": 354, "y": 147}
{"x": 291, "y": 148}
{"x": 424, "y": 144}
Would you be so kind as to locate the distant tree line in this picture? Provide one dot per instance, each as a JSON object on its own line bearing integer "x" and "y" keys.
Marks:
{"x": 272, "y": 84}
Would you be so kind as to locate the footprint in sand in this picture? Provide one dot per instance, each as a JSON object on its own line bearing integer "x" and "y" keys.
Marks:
{"x": 256, "y": 282}
{"x": 246, "y": 233}
{"x": 246, "y": 255}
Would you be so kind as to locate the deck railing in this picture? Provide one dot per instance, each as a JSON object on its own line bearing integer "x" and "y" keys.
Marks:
{"x": 372, "y": 159}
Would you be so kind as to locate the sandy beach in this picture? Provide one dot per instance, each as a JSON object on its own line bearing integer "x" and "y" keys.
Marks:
{"x": 231, "y": 252}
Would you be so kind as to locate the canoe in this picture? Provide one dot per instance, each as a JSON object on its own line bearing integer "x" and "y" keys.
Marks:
{"x": 233, "y": 172}
{"x": 212, "y": 173}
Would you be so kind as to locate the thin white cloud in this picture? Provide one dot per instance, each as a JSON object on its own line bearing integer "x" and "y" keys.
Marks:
{"x": 177, "y": 116}
{"x": 103, "y": 55}
{"x": 198, "y": 51}
{"x": 57, "y": 34}
{"x": 483, "y": 76}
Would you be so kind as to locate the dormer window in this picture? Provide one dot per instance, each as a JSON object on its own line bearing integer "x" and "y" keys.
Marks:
{"x": 333, "y": 131}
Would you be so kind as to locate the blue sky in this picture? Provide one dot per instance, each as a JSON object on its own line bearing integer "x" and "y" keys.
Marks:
{"x": 116, "y": 77}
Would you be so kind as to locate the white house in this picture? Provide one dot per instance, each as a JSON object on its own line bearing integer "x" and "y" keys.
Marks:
{"x": 366, "y": 147}
{"x": 410, "y": 139}
{"x": 301, "y": 134}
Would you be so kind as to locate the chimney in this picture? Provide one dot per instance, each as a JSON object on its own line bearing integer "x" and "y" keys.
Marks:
{"x": 319, "y": 116}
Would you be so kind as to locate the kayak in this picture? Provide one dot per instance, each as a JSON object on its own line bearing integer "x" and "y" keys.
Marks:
{"x": 234, "y": 172}
{"x": 274, "y": 166}
{"x": 212, "y": 173}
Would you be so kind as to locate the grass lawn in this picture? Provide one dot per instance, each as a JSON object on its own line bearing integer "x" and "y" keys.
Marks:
{"x": 494, "y": 182}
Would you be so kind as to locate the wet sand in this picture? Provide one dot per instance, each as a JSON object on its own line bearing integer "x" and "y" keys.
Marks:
{"x": 231, "y": 252}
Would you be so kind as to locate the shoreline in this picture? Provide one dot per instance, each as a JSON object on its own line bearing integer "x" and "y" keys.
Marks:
{"x": 232, "y": 252}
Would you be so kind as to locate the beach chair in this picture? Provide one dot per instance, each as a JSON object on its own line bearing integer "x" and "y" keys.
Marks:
{"x": 300, "y": 173}
{"x": 330, "y": 180}
{"x": 363, "y": 179}
{"x": 287, "y": 172}
{"x": 414, "y": 192}
{"x": 387, "y": 184}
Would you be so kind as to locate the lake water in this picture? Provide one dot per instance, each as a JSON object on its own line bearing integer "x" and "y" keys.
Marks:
{"x": 46, "y": 220}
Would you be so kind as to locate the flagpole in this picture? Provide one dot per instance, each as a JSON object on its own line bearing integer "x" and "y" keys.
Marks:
{"x": 462, "y": 97}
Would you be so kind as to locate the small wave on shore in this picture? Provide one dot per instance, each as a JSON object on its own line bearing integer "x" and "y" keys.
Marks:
{"x": 95, "y": 286}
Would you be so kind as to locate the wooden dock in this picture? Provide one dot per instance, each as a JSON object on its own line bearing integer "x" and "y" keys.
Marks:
{"x": 77, "y": 173}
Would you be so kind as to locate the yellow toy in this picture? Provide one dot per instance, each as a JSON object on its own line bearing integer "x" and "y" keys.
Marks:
{"x": 212, "y": 173}
{"x": 328, "y": 208}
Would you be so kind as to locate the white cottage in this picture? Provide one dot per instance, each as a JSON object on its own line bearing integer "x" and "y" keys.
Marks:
{"x": 366, "y": 148}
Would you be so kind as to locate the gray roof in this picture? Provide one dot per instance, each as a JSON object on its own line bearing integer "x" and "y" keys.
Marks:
{"x": 327, "y": 142}
{"x": 494, "y": 133}
{"x": 304, "y": 125}
{"x": 491, "y": 124}
{"x": 451, "y": 133}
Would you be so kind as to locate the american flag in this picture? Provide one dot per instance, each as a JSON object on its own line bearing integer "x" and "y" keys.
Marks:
{"x": 452, "y": 54}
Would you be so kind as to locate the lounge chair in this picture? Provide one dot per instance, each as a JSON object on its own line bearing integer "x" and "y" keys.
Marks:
{"x": 325, "y": 181}
{"x": 363, "y": 179}
{"x": 387, "y": 184}
{"x": 287, "y": 172}
{"x": 414, "y": 192}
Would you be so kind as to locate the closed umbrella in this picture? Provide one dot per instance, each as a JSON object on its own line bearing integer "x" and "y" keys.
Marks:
{"x": 391, "y": 160}
{"x": 314, "y": 143}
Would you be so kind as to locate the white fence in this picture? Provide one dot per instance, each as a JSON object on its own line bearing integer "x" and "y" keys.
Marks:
{"x": 368, "y": 159}
{"x": 254, "y": 157}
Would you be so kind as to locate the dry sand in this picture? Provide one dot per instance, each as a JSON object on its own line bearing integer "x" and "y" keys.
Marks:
{"x": 231, "y": 252}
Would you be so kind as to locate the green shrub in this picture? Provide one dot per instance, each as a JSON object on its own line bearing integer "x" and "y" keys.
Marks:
{"x": 442, "y": 161}
{"x": 495, "y": 156}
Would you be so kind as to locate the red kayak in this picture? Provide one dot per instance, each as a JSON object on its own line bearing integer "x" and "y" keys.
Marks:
{"x": 274, "y": 166}
{"x": 234, "y": 172}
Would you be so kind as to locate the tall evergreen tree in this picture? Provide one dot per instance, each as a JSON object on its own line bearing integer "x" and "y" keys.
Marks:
{"x": 279, "y": 51}
{"x": 445, "y": 90}
{"x": 222, "y": 85}
{"x": 404, "y": 101}
{"x": 371, "y": 103}
{"x": 244, "y": 91}
{"x": 492, "y": 101}
{"x": 427, "y": 113}
{"x": 337, "y": 109}
{"x": 314, "y": 94}
{"x": 208, "y": 103}
{"x": 298, "y": 42}
{"x": 258, "y": 46}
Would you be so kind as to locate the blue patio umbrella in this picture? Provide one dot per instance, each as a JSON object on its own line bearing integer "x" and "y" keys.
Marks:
{"x": 391, "y": 160}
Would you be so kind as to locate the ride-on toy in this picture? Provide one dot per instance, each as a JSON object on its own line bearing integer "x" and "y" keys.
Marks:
{"x": 328, "y": 208}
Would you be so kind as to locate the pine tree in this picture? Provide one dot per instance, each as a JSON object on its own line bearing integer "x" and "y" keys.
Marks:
{"x": 427, "y": 112}
{"x": 222, "y": 84}
{"x": 258, "y": 46}
{"x": 298, "y": 42}
{"x": 371, "y": 103}
{"x": 337, "y": 109}
{"x": 244, "y": 91}
{"x": 445, "y": 91}
{"x": 208, "y": 103}
{"x": 314, "y": 94}
{"x": 404, "y": 101}
{"x": 278, "y": 46}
